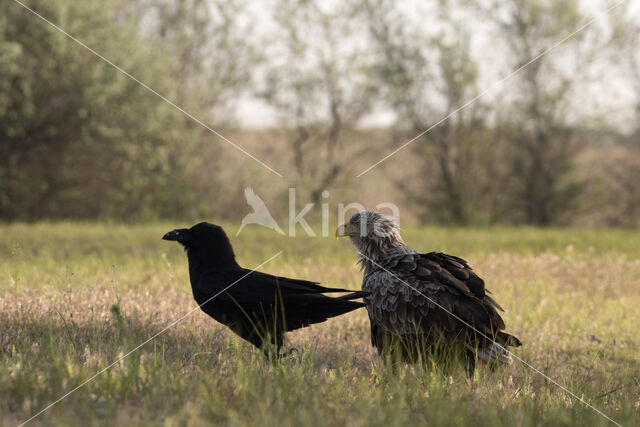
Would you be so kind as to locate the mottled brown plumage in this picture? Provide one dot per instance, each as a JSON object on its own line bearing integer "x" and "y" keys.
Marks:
{"x": 423, "y": 301}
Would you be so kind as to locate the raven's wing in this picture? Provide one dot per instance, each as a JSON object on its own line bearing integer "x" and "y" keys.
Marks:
{"x": 427, "y": 293}
{"x": 257, "y": 284}
{"x": 302, "y": 301}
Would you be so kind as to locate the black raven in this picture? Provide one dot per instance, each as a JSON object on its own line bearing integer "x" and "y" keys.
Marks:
{"x": 258, "y": 307}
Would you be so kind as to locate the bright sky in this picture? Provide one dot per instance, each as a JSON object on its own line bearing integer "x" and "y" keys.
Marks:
{"x": 609, "y": 95}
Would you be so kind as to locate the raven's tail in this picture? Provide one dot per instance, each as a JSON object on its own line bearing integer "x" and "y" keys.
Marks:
{"x": 354, "y": 295}
{"x": 318, "y": 308}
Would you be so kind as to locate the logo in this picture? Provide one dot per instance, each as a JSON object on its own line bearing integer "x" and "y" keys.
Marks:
{"x": 260, "y": 216}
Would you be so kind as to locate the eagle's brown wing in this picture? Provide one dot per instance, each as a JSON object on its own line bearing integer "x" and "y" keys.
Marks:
{"x": 418, "y": 293}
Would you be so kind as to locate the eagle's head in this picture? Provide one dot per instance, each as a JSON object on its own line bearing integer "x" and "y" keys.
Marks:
{"x": 374, "y": 234}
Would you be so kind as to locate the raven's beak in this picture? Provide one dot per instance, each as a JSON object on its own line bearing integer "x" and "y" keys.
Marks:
{"x": 347, "y": 229}
{"x": 178, "y": 235}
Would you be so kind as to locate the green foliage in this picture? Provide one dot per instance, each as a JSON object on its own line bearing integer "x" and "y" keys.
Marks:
{"x": 79, "y": 138}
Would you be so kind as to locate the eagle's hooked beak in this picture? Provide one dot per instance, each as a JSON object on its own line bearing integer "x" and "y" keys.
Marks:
{"x": 347, "y": 229}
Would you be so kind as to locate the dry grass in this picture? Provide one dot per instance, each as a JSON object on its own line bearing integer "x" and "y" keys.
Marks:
{"x": 571, "y": 296}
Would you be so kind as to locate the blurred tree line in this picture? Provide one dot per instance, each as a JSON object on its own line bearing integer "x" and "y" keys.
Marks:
{"x": 79, "y": 139}
{"x": 82, "y": 140}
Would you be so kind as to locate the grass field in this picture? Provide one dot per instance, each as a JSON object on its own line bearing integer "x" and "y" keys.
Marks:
{"x": 573, "y": 297}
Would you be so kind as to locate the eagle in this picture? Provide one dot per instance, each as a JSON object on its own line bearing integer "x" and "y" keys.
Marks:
{"x": 421, "y": 303}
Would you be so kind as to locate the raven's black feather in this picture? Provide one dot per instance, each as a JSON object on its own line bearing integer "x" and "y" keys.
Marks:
{"x": 259, "y": 307}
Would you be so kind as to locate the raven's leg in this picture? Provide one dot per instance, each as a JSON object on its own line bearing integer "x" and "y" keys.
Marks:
{"x": 269, "y": 352}
{"x": 278, "y": 340}
{"x": 269, "y": 346}
{"x": 261, "y": 341}
{"x": 253, "y": 336}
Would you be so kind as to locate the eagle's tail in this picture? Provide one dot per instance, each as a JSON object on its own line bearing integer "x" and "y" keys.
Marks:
{"x": 496, "y": 351}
